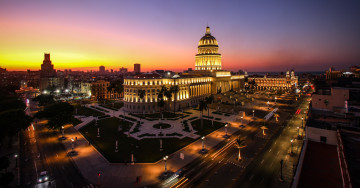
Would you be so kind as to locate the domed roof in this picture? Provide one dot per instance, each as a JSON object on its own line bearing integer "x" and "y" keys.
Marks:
{"x": 208, "y": 39}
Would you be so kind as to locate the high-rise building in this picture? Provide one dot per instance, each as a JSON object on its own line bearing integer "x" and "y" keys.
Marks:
{"x": 47, "y": 68}
{"x": 137, "y": 68}
{"x": 102, "y": 69}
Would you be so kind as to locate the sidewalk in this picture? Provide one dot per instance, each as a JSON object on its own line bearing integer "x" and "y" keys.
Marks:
{"x": 90, "y": 162}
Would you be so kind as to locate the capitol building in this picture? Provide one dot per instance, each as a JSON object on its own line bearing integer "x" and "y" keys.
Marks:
{"x": 207, "y": 78}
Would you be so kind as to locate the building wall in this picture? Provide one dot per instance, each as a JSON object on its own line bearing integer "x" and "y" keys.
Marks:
{"x": 274, "y": 83}
{"x": 192, "y": 90}
{"x": 314, "y": 134}
{"x": 336, "y": 99}
{"x": 99, "y": 91}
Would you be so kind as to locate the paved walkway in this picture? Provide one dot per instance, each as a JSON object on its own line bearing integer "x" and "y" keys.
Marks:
{"x": 90, "y": 162}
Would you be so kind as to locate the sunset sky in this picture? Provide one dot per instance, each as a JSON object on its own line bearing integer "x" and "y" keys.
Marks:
{"x": 253, "y": 35}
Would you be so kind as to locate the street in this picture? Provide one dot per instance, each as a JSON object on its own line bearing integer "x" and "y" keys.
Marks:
{"x": 225, "y": 171}
{"x": 43, "y": 151}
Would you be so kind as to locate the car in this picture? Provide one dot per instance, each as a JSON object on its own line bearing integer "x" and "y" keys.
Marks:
{"x": 43, "y": 177}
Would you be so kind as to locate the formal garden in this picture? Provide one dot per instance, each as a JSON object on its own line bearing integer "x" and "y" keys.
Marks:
{"x": 145, "y": 150}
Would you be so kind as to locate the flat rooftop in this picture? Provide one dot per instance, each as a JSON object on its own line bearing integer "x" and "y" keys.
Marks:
{"x": 321, "y": 167}
{"x": 351, "y": 142}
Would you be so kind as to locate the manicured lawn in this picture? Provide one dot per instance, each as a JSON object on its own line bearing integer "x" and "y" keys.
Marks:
{"x": 113, "y": 106}
{"x": 145, "y": 150}
{"x": 84, "y": 111}
{"x": 207, "y": 126}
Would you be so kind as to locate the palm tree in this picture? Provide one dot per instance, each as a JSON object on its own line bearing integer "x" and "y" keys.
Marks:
{"x": 168, "y": 95}
{"x": 161, "y": 102}
{"x": 175, "y": 89}
{"x": 209, "y": 100}
{"x": 240, "y": 143}
{"x": 141, "y": 94}
{"x": 202, "y": 106}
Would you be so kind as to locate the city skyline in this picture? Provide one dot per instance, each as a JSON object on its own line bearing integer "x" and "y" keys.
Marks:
{"x": 252, "y": 36}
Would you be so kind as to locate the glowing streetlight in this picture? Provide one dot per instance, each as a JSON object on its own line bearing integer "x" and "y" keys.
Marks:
{"x": 242, "y": 120}
{"x": 226, "y": 135}
{"x": 302, "y": 122}
{"x": 165, "y": 159}
{"x": 298, "y": 131}
{"x": 16, "y": 157}
{"x": 62, "y": 132}
{"x": 291, "y": 149}
{"x": 72, "y": 145}
{"x": 203, "y": 145}
{"x": 253, "y": 113}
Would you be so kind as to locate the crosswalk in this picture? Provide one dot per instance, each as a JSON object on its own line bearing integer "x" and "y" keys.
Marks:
{"x": 269, "y": 115}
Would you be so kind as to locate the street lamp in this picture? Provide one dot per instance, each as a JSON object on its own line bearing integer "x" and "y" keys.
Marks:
{"x": 16, "y": 156}
{"x": 72, "y": 145}
{"x": 226, "y": 135}
{"x": 298, "y": 131}
{"x": 203, "y": 146}
{"x": 302, "y": 122}
{"x": 242, "y": 120}
{"x": 62, "y": 132}
{"x": 253, "y": 113}
{"x": 165, "y": 158}
{"x": 291, "y": 149}
{"x": 275, "y": 99}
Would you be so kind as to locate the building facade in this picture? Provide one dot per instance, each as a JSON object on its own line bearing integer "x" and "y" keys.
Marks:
{"x": 194, "y": 86}
{"x": 275, "y": 82}
{"x": 99, "y": 91}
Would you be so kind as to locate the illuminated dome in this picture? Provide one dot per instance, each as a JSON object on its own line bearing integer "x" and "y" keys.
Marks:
{"x": 208, "y": 57}
{"x": 208, "y": 39}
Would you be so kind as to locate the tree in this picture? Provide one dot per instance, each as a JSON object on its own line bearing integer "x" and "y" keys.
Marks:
{"x": 175, "y": 89}
{"x": 44, "y": 100}
{"x": 117, "y": 85}
{"x": 209, "y": 100}
{"x": 161, "y": 102}
{"x": 12, "y": 116}
{"x": 240, "y": 143}
{"x": 6, "y": 178}
{"x": 326, "y": 102}
{"x": 202, "y": 106}
{"x": 58, "y": 115}
{"x": 141, "y": 94}
{"x": 4, "y": 163}
{"x": 168, "y": 95}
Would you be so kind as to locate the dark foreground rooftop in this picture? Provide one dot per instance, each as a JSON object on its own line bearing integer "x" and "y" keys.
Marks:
{"x": 321, "y": 167}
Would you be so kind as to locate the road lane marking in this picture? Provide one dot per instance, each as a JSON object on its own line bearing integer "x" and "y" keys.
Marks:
{"x": 262, "y": 161}
{"x": 202, "y": 162}
{"x": 270, "y": 150}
